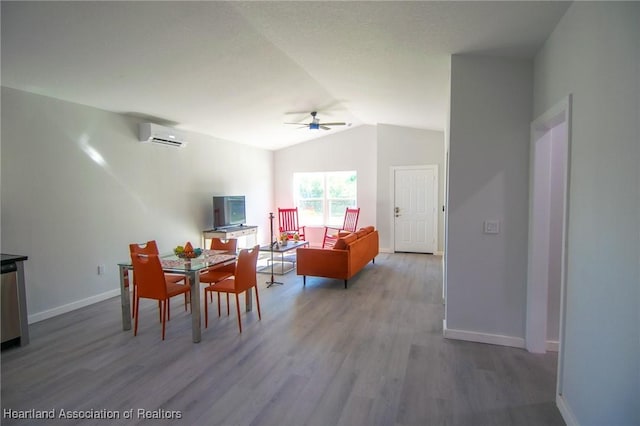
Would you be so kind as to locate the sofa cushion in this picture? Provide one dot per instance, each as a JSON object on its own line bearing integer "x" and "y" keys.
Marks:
{"x": 368, "y": 229}
{"x": 362, "y": 232}
{"x": 343, "y": 242}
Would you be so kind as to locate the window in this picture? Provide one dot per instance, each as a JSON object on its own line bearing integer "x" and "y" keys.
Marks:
{"x": 322, "y": 197}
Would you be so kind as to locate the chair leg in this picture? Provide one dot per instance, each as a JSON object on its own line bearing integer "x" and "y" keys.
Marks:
{"x": 135, "y": 328}
{"x": 135, "y": 291}
{"x": 165, "y": 312}
{"x": 206, "y": 310}
{"x": 258, "y": 303}
{"x": 187, "y": 295}
{"x": 168, "y": 317}
{"x": 160, "y": 310}
{"x": 238, "y": 309}
{"x": 227, "y": 304}
{"x": 218, "y": 303}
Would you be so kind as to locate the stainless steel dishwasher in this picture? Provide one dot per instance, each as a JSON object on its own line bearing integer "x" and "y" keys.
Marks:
{"x": 13, "y": 306}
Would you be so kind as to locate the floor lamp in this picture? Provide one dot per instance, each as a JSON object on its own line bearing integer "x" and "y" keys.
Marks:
{"x": 271, "y": 244}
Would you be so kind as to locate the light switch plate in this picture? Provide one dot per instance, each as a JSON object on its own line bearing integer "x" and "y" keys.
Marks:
{"x": 491, "y": 226}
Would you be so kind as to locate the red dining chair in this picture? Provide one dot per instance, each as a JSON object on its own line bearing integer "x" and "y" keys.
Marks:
{"x": 151, "y": 247}
{"x": 212, "y": 276}
{"x": 288, "y": 220}
{"x": 350, "y": 225}
{"x": 153, "y": 284}
{"x": 242, "y": 282}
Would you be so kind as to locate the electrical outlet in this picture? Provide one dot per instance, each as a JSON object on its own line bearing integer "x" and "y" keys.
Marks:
{"x": 491, "y": 226}
{"x": 100, "y": 269}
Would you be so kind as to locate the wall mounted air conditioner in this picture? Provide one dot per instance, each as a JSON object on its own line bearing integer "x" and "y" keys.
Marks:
{"x": 160, "y": 135}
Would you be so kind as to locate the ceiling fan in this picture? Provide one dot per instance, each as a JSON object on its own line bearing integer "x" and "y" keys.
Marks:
{"x": 316, "y": 124}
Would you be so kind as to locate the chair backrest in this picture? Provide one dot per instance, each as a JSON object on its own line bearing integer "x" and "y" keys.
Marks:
{"x": 150, "y": 247}
{"x": 230, "y": 245}
{"x": 245, "y": 277}
{"x": 351, "y": 219}
{"x": 149, "y": 276}
{"x": 288, "y": 219}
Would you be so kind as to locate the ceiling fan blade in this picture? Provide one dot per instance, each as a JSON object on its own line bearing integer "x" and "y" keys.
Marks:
{"x": 297, "y": 124}
{"x": 324, "y": 127}
{"x": 333, "y": 124}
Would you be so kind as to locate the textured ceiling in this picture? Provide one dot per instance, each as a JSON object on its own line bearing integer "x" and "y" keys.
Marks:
{"x": 238, "y": 70}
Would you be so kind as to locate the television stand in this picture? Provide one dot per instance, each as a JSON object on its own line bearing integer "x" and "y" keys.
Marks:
{"x": 229, "y": 233}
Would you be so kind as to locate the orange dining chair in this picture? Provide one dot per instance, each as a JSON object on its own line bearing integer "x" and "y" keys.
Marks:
{"x": 152, "y": 284}
{"x": 242, "y": 282}
{"x": 288, "y": 220}
{"x": 151, "y": 247}
{"x": 212, "y": 276}
{"x": 350, "y": 225}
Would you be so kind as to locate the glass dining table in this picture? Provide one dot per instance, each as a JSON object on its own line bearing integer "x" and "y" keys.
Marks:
{"x": 190, "y": 268}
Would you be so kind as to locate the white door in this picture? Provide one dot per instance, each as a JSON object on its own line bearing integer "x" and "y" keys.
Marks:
{"x": 415, "y": 209}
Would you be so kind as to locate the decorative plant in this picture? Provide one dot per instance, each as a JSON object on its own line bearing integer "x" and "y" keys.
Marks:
{"x": 187, "y": 251}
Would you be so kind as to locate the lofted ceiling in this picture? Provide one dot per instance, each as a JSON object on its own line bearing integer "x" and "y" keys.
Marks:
{"x": 238, "y": 70}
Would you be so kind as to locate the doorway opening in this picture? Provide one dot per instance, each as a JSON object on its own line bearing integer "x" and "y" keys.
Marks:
{"x": 548, "y": 215}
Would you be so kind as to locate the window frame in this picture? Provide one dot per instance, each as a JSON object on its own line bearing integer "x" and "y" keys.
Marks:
{"x": 325, "y": 200}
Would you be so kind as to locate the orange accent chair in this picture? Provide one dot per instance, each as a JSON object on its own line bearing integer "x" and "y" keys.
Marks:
{"x": 214, "y": 275}
{"x": 151, "y": 247}
{"x": 350, "y": 225}
{"x": 153, "y": 284}
{"x": 242, "y": 282}
{"x": 288, "y": 220}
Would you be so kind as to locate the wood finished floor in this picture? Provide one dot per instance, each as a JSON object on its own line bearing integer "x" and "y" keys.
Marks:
{"x": 322, "y": 355}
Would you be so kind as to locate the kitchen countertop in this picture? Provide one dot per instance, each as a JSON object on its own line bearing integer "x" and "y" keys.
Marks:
{"x": 10, "y": 258}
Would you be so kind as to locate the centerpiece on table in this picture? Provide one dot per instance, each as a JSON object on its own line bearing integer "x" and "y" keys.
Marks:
{"x": 187, "y": 251}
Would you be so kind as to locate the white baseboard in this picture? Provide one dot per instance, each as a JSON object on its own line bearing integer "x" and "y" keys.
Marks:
{"x": 565, "y": 411}
{"x": 474, "y": 336}
{"x": 50, "y": 313}
{"x": 388, "y": 250}
{"x": 553, "y": 345}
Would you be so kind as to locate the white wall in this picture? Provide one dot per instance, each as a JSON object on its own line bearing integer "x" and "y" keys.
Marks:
{"x": 403, "y": 146}
{"x": 490, "y": 115}
{"x": 69, "y": 214}
{"x": 371, "y": 151}
{"x": 594, "y": 53}
{"x": 353, "y": 149}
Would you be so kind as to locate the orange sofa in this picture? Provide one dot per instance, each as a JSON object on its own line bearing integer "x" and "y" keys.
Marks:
{"x": 350, "y": 254}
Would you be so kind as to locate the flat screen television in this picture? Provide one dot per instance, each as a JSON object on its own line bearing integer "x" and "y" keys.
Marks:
{"x": 228, "y": 211}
